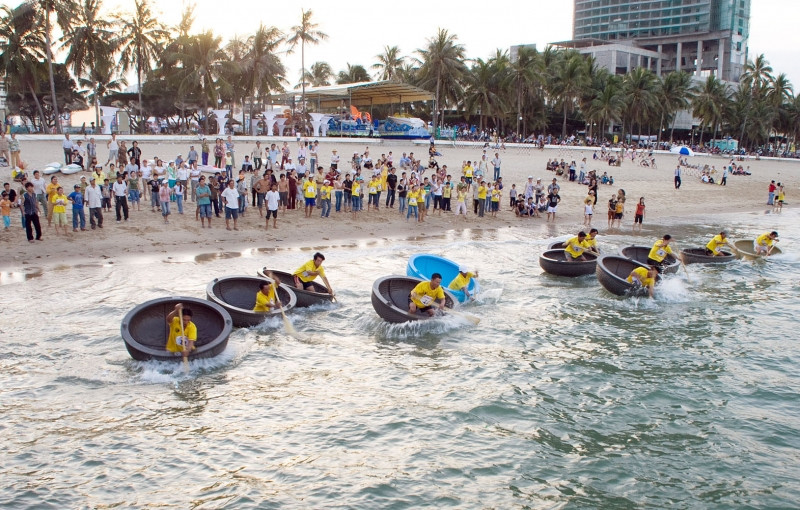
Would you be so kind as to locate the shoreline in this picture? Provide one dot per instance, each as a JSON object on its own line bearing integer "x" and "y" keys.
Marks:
{"x": 146, "y": 235}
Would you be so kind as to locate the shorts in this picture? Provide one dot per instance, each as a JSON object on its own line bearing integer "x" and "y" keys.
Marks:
{"x": 283, "y": 198}
{"x": 205, "y": 210}
{"x": 60, "y": 219}
{"x": 134, "y": 195}
{"x": 495, "y": 206}
{"x": 419, "y": 308}
{"x": 638, "y": 218}
{"x": 308, "y": 285}
{"x": 231, "y": 213}
{"x": 310, "y": 202}
{"x": 551, "y": 209}
{"x": 274, "y": 214}
{"x": 261, "y": 198}
{"x": 618, "y": 216}
{"x": 610, "y": 215}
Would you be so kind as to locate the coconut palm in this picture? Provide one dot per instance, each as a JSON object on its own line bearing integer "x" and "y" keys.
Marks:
{"x": 63, "y": 12}
{"x": 639, "y": 87}
{"x": 352, "y": 74}
{"x": 388, "y": 63}
{"x": 710, "y": 104}
{"x": 756, "y": 75}
{"x": 442, "y": 69}
{"x": 522, "y": 75}
{"x": 306, "y": 32}
{"x": 21, "y": 51}
{"x": 319, "y": 74}
{"x": 261, "y": 67}
{"x": 608, "y": 104}
{"x": 571, "y": 79}
{"x": 91, "y": 45}
{"x": 482, "y": 92}
{"x": 778, "y": 95}
{"x": 142, "y": 38}
{"x": 673, "y": 95}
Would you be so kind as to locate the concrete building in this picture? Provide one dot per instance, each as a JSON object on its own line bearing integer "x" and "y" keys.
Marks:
{"x": 702, "y": 37}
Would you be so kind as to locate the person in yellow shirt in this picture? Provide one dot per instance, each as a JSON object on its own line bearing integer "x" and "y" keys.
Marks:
{"x": 468, "y": 173}
{"x": 590, "y": 243}
{"x": 462, "y": 280}
{"x": 266, "y": 298}
{"x": 574, "y": 248}
{"x": 308, "y": 272}
{"x": 644, "y": 277}
{"x": 181, "y": 343}
{"x": 59, "y": 203}
{"x": 496, "y": 194}
{"x": 481, "y": 198}
{"x": 659, "y": 252}
{"x": 50, "y": 190}
{"x": 763, "y": 244}
{"x": 309, "y": 193}
{"x": 427, "y": 297}
{"x": 719, "y": 240}
{"x": 355, "y": 196}
{"x": 374, "y": 192}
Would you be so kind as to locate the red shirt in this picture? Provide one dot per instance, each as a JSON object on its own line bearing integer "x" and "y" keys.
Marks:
{"x": 772, "y": 187}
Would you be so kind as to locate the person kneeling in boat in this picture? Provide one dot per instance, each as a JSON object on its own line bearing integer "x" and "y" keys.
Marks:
{"x": 308, "y": 272}
{"x": 659, "y": 252}
{"x": 181, "y": 339}
{"x": 574, "y": 248}
{"x": 266, "y": 297}
{"x": 590, "y": 243}
{"x": 427, "y": 297}
{"x": 462, "y": 280}
{"x": 763, "y": 244}
{"x": 716, "y": 242}
{"x": 644, "y": 277}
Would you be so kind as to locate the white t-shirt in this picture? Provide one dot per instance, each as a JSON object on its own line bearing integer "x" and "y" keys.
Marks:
{"x": 113, "y": 145}
{"x": 120, "y": 189}
{"x": 232, "y": 198}
{"x": 273, "y": 198}
{"x": 195, "y": 174}
{"x": 182, "y": 174}
{"x": 146, "y": 172}
{"x": 39, "y": 186}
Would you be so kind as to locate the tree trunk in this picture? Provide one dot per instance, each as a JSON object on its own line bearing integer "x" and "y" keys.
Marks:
{"x": 205, "y": 111}
{"x": 436, "y": 103}
{"x": 49, "y": 44}
{"x": 38, "y": 105}
{"x": 660, "y": 126}
{"x": 139, "y": 90}
{"x": 564, "y": 124}
{"x": 97, "y": 107}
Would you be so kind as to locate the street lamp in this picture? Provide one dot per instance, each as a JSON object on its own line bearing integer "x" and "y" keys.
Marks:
{"x": 519, "y": 121}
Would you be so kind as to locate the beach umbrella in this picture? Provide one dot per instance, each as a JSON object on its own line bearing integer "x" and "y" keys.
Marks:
{"x": 682, "y": 150}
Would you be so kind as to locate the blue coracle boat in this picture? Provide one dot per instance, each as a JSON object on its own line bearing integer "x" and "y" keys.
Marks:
{"x": 423, "y": 265}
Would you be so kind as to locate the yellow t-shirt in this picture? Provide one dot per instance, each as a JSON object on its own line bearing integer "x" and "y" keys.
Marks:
{"x": 574, "y": 247}
{"x": 264, "y": 303}
{"x": 461, "y": 197}
{"x": 447, "y": 190}
{"x": 51, "y": 188}
{"x": 461, "y": 281}
{"x": 644, "y": 278}
{"x": 59, "y": 208}
{"x": 384, "y": 177}
{"x": 309, "y": 189}
{"x": 374, "y": 186}
{"x": 304, "y": 270}
{"x": 590, "y": 243}
{"x": 715, "y": 243}
{"x": 427, "y": 295}
{"x": 482, "y": 192}
{"x": 175, "y": 332}
{"x": 781, "y": 196}
{"x": 468, "y": 171}
{"x": 356, "y": 189}
{"x": 496, "y": 195}
{"x": 764, "y": 239}
{"x": 413, "y": 196}
{"x": 325, "y": 192}
{"x": 659, "y": 251}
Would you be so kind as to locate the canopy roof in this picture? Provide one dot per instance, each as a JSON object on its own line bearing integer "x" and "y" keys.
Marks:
{"x": 359, "y": 94}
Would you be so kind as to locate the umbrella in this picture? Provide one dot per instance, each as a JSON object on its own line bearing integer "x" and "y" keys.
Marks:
{"x": 682, "y": 150}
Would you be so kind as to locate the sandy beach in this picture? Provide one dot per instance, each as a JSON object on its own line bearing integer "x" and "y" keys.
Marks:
{"x": 147, "y": 234}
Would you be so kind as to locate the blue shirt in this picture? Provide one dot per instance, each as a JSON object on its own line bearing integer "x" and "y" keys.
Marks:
{"x": 77, "y": 199}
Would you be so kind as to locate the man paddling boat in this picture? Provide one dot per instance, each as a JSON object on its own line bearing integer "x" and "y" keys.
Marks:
{"x": 764, "y": 243}
{"x": 308, "y": 272}
{"x": 181, "y": 343}
{"x": 427, "y": 297}
{"x": 266, "y": 298}
{"x": 716, "y": 242}
{"x": 659, "y": 252}
{"x": 590, "y": 243}
{"x": 644, "y": 277}
{"x": 574, "y": 248}
{"x": 462, "y": 280}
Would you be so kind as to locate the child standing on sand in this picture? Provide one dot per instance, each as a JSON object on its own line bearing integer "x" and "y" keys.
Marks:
{"x": 5, "y": 210}
{"x": 588, "y": 208}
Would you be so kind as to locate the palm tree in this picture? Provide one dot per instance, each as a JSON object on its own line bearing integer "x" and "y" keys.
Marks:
{"x": 442, "y": 68}
{"x": 673, "y": 95}
{"x": 91, "y": 43}
{"x": 63, "y": 10}
{"x": 318, "y": 75}
{"x": 21, "y": 51}
{"x": 142, "y": 39}
{"x": 353, "y": 74}
{"x": 639, "y": 87}
{"x": 482, "y": 90}
{"x": 709, "y": 104}
{"x": 306, "y": 32}
{"x": 778, "y": 95}
{"x": 570, "y": 80}
{"x": 261, "y": 67}
{"x": 522, "y": 75}
{"x": 608, "y": 104}
{"x": 757, "y": 75}
{"x": 203, "y": 67}
{"x": 388, "y": 63}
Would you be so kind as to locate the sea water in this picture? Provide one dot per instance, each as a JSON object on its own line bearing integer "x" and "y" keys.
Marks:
{"x": 563, "y": 396}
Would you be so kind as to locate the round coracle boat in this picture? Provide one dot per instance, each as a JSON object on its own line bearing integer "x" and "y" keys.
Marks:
{"x": 237, "y": 295}
{"x": 390, "y": 295}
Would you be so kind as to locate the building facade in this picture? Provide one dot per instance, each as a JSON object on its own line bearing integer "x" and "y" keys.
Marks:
{"x": 702, "y": 37}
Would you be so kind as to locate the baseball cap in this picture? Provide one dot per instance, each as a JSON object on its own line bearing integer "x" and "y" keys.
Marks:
{"x": 530, "y": 177}
{"x": 77, "y": 186}
{"x": 462, "y": 269}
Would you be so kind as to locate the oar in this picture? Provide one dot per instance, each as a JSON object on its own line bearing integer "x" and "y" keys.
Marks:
{"x": 287, "y": 325}
{"x": 680, "y": 258}
{"x": 183, "y": 336}
{"x": 469, "y": 317}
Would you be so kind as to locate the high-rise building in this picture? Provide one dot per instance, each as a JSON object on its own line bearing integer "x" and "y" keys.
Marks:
{"x": 703, "y": 37}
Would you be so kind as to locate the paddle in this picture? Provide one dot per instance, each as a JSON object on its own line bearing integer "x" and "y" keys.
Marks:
{"x": 680, "y": 258}
{"x": 469, "y": 317}
{"x": 183, "y": 337}
{"x": 287, "y": 325}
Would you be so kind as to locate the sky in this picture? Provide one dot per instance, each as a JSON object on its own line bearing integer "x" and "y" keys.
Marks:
{"x": 358, "y": 30}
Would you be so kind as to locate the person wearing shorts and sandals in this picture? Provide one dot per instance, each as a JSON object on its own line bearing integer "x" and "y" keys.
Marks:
{"x": 639, "y": 216}
{"x": 273, "y": 202}
{"x": 203, "y": 194}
